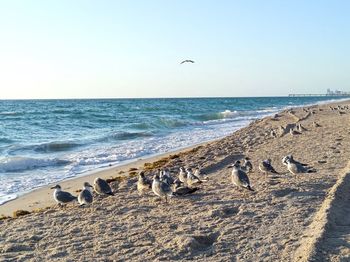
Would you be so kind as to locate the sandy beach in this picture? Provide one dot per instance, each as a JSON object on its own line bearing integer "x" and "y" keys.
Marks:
{"x": 303, "y": 217}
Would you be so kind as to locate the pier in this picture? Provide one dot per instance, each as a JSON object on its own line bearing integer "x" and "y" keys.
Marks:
{"x": 330, "y": 95}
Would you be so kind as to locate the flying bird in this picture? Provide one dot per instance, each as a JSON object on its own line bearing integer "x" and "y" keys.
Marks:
{"x": 187, "y": 61}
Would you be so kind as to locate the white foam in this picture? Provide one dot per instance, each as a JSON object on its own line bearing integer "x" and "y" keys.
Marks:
{"x": 12, "y": 164}
{"x": 5, "y": 198}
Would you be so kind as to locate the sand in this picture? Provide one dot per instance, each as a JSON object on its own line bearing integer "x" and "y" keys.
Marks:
{"x": 288, "y": 217}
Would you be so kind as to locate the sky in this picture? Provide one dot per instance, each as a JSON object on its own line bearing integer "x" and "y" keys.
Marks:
{"x": 120, "y": 49}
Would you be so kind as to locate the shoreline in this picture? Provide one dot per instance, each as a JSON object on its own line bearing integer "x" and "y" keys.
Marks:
{"x": 219, "y": 222}
{"x": 42, "y": 197}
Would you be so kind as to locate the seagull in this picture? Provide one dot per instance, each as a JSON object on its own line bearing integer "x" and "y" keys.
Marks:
{"x": 284, "y": 160}
{"x": 187, "y": 61}
{"x": 161, "y": 189}
{"x": 191, "y": 178}
{"x": 247, "y": 165}
{"x": 266, "y": 167}
{"x": 182, "y": 175}
{"x": 198, "y": 173}
{"x": 102, "y": 187}
{"x": 62, "y": 197}
{"x": 297, "y": 168}
{"x": 165, "y": 177}
{"x": 239, "y": 177}
{"x": 143, "y": 184}
{"x": 85, "y": 196}
{"x": 182, "y": 190}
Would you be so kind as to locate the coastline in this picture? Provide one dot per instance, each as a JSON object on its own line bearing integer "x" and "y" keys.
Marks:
{"x": 219, "y": 222}
{"x": 42, "y": 197}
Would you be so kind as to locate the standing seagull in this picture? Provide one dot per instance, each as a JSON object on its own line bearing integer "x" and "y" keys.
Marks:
{"x": 166, "y": 177}
{"x": 187, "y": 61}
{"x": 182, "y": 175}
{"x": 85, "y": 196}
{"x": 143, "y": 184}
{"x": 266, "y": 167}
{"x": 102, "y": 187}
{"x": 239, "y": 177}
{"x": 161, "y": 189}
{"x": 198, "y": 173}
{"x": 62, "y": 197}
{"x": 191, "y": 178}
{"x": 247, "y": 165}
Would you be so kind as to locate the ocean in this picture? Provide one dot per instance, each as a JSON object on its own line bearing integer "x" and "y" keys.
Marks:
{"x": 46, "y": 141}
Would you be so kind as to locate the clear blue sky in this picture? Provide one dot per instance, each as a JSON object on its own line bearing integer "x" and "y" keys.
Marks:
{"x": 94, "y": 49}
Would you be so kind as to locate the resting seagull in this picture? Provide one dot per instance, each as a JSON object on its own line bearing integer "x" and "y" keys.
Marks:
{"x": 290, "y": 157}
{"x": 182, "y": 190}
{"x": 297, "y": 168}
{"x": 85, "y": 196}
{"x": 187, "y": 61}
{"x": 102, "y": 187}
{"x": 266, "y": 167}
{"x": 62, "y": 197}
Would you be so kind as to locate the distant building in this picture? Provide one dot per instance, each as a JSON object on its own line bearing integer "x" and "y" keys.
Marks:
{"x": 336, "y": 93}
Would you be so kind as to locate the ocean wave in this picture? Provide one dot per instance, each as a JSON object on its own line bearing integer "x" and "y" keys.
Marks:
{"x": 123, "y": 135}
{"x": 171, "y": 122}
{"x": 142, "y": 126}
{"x": 9, "y": 113}
{"x": 16, "y": 164}
{"x": 50, "y": 147}
{"x": 55, "y": 147}
{"x": 161, "y": 123}
{"x": 5, "y": 140}
{"x": 217, "y": 116}
{"x": 7, "y": 197}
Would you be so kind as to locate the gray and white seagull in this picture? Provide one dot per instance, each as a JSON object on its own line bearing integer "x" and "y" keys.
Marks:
{"x": 85, "y": 196}
{"x": 266, "y": 167}
{"x": 102, "y": 187}
{"x": 161, "y": 188}
{"x": 62, "y": 197}
{"x": 296, "y": 167}
{"x": 239, "y": 177}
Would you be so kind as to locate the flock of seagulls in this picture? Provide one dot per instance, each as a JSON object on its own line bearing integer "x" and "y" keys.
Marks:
{"x": 186, "y": 181}
{"x": 85, "y": 197}
{"x": 165, "y": 186}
